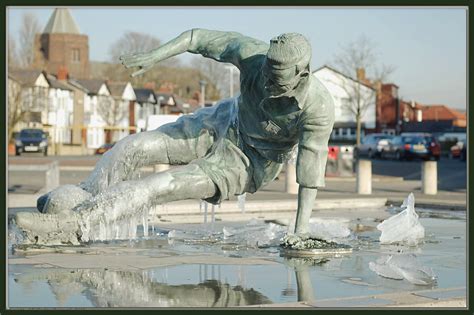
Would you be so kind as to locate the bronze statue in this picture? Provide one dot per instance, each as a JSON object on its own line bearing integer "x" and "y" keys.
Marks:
{"x": 237, "y": 146}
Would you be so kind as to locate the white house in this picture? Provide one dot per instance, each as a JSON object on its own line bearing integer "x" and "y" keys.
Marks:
{"x": 341, "y": 87}
{"x": 124, "y": 108}
{"x": 147, "y": 106}
{"x": 29, "y": 94}
{"x": 60, "y": 110}
{"x": 97, "y": 97}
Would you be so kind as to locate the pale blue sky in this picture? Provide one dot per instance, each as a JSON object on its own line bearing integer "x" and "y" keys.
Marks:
{"x": 427, "y": 46}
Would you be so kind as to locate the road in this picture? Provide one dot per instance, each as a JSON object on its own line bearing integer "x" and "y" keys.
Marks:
{"x": 452, "y": 174}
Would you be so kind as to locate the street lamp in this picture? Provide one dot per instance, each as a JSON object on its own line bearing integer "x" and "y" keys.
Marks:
{"x": 202, "y": 84}
{"x": 231, "y": 80}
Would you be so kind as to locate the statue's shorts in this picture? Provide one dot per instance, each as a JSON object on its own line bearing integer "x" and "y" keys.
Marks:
{"x": 210, "y": 139}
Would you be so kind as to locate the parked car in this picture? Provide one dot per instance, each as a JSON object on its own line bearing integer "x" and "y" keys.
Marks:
{"x": 31, "y": 140}
{"x": 104, "y": 148}
{"x": 455, "y": 150}
{"x": 463, "y": 152}
{"x": 422, "y": 146}
{"x": 373, "y": 144}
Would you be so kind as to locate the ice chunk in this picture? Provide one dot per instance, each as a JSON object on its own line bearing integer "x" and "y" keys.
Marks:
{"x": 241, "y": 202}
{"x": 403, "y": 266}
{"x": 384, "y": 269}
{"x": 255, "y": 233}
{"x": 328, "y": 229}
{"x": 403, "y": 227}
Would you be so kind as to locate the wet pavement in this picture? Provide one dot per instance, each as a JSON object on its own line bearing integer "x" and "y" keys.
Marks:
{"x": 205, "y": 265}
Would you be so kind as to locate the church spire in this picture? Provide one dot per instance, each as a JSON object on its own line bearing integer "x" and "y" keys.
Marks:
{"x": 61, "y": 22}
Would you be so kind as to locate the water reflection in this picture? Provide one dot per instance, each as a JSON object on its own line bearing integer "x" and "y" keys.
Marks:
{"x": 109, "y": 288}
{"x": 302, "y": 267}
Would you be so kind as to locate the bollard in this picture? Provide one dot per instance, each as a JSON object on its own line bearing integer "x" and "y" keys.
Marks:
{"x": 52, "y": 176}
{"x": 364, "y": 177}
{"x": 429, "y": 178}
{"x": 161, "y": 168}
{"x": 291, "y": 186}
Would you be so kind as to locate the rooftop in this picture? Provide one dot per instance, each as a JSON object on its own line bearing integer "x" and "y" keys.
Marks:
{"x": 61, "y": 22}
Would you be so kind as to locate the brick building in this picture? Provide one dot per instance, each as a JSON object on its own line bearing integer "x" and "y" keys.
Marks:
{"x": 61, "y": 45}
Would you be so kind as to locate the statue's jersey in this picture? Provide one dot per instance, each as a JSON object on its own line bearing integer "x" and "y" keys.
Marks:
{"x": 272, "y": 126}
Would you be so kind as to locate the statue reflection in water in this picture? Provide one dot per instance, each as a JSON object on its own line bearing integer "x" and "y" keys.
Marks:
{"x": 116, "y": 288}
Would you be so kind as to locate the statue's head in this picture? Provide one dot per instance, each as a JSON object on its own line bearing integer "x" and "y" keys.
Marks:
{"x": 287, "y": 62}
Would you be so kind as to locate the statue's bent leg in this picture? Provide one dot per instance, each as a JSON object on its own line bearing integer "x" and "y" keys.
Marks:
{"x": 162, "y": 146}
{"x": 117, "y": 204}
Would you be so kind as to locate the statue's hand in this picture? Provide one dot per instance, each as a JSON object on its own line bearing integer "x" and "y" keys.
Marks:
{"x": 144, "y": 61}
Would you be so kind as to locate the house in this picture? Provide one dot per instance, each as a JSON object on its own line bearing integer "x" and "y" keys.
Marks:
{"x": 98, "y": 103}
{"x": 147, "y": 106}
{"x": 124, "y": 108}
{"x": 437, "y": 119}
{"x": 60, "y": 110}
{"x": 342, "y": 87}
{"x": 167, "y": 103}
{"x": 34, "y": 96}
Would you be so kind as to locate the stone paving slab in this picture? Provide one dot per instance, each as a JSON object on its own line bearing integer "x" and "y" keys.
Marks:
{"x": 436, "y": 298}
{"x": 130, "y": 261}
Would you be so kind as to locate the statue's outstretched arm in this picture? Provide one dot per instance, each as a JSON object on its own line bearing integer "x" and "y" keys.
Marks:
{"x": 231, "y": 47}
{"x": 145, "y": 60}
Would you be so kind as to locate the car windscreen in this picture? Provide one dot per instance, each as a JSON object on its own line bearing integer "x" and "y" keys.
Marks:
{"x": 415, "y": 140}
{"x": 31, "y": 133}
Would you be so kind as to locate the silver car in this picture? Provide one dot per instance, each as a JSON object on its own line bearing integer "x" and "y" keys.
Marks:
{"x": 372, "y": 145}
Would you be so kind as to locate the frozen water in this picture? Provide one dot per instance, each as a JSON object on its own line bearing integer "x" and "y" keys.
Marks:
{"x": 255, "y": 233}
{"x": 403, "y": 266}
{"x": 403, "y": 227}
{"x": 328, "y": 229}
{"x": 241, "y": 202}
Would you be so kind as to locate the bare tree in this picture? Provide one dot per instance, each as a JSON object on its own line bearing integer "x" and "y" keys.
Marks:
{"x": 112, "y": 112}
{"x": 29, "y": 28}
{"x": 12, "y": 53}
{"x": 131, "y": 42}
{"x": 355, "y": 59}
{"x": 23, "y": 103}
{"x": 224, "y": 76}
{"x": 15, "y": 110}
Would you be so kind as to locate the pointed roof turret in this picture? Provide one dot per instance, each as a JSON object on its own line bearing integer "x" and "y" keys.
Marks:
{"x": 61, "y": 22}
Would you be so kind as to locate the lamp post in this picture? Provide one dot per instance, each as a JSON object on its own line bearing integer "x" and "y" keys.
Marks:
{"x": 231, "y": 80}
{"x": 202, "y": 84}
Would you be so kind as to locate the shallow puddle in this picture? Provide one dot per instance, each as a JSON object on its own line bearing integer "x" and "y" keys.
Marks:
{"x": 228, "y": 284}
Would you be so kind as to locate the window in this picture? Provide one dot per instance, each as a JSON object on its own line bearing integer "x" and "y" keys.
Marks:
{"x": 76, "y": 56}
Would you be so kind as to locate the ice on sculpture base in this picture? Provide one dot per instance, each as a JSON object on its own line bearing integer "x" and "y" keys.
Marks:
{"x": 403, "y": 227}
{"x": 401, "y": 267}
{"x": 328, "y": 229}
{"x": 256, "y": 233}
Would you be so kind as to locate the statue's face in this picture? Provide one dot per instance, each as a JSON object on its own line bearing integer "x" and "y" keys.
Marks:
{"x": 279, "y": 81}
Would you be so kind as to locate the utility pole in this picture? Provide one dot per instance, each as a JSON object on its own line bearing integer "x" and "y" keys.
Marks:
{"x": 231, "y": 80}
{"x": 202, "y": 84}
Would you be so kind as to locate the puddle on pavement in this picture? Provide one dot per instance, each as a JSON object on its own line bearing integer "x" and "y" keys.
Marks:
{"x": 226, "y": 285}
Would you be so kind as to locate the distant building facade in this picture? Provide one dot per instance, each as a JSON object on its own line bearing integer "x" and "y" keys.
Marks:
{"x": 339, "y": 86}
{"x": 62, "y": 45}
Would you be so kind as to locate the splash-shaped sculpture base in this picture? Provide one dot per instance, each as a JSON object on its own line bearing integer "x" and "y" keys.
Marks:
{"x": 296, "y": 246}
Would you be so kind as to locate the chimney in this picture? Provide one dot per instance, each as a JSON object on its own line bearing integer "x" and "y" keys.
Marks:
{"x": 361, "y": 74}
{"x": 149, "y": 85}
{"x": 62, "y": 73}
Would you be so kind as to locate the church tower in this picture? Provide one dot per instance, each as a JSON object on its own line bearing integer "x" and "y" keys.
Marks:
{"x": 62, "y": 46}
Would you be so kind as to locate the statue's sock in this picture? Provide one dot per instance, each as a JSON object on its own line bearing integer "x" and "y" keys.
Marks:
{"x": 62, "y": 199}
